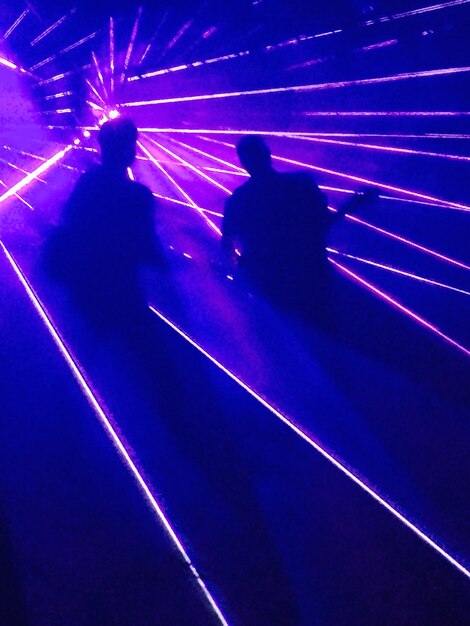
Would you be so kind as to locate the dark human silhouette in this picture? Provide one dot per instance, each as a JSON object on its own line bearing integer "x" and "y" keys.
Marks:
{"x": 107, "y": 235}
{"x": 278, "y": 222}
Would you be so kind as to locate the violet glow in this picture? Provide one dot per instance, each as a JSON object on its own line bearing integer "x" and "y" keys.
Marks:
{"x": 131, "y": 43}
{"x": 303, "y": 434}
{"x": 92, "y": 398}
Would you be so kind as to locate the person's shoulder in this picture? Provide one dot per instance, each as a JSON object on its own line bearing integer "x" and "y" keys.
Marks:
{"x": 142, "y": 192}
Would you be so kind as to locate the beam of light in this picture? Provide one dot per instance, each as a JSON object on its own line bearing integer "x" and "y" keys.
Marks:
{"x": 94, "y": 402}
{"x": 153, "y": 38}
{"x": 19, "y": 197}
{"x": 99, "y": 74}
{"x": 236, "y": 170}
{"x": 180, "y": 189}
{"x": 408, "y": 242}
{"x": 130, "y": 47}
{"x": 95, "y": 91}
{"x": 32, "y": 176}
{"x": 396, "y": 270}
{"x": 130, "y": 173}
{"x": 192, "y": 167}
{"x": 299, "y": 133}
{"x": 175, "y": 201}
{"x": 57, "y": 77}
{"x": 307, "y": 438}
{"x": 94, "y": 106}
{"x": 111, "y": 53}
{"x": 51, "y": 28}
{"x": 15, "y": 24}
{"x": 381, "y": 44}
{"x": 303, "y": 88}
{"x": 56, "y": 111}
{"x": 360, "y": 179}
{"x": 420, "y": 11}
{"x": 13, "y": 66}
{"x": 397, "y": 305}
{"x": 382, "y": 148}
{"x": 19, "y": 169}
{"x": 387, "y": 113}
{"x": 61, "y": 94}
{"x": 72, "y": 46}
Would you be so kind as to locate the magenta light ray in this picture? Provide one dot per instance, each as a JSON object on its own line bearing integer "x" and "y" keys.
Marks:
{"x": 52, "y": 27}
{"x": 111, "y": 53}
{"x": 19, "y": 197}
{"x": 396, "y": 270}
{"x": 209, "y": 222}
{"x": 382, "y": 148}
{"x": 99, "y": 73}
{"x": 360, "y": 179}
{"x": 13, "y": 66}
{"x": 396, "y": 304}
{"x": 35, "y": 174}
{"x": 95, "y": 404}
{"x": 192, "y": 167}
{"x": 19, "y": 169}
{"x": 420, "y": 11}
{"x": 15, "y": 24}
{"x": 303, "y": 88}
{"x": 152, "y": 40}
{"x": 159, "y": 166}
{"x": 387, "y": 113}
{"x": 130, "y": 47}
{"x": 305, "y": 436}
{"x": 236, "y": 170}
{"x": 95, "y": 91}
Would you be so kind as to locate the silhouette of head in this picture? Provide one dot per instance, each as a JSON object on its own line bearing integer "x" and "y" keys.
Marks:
{"x": 254, "y": 155}
{"x": 117, "y": 139}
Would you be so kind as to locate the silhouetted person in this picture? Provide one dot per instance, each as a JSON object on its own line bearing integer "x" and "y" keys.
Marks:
{"x": 278, "y": 222}
{"x": 107, "y": 234}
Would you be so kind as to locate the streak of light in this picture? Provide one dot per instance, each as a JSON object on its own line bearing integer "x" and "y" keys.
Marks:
{"x": 94, "y": 106}
{"x": 19, "y": 169}
{"x": 382, "y": 148}
{"x": 112, "y": 432}
{"x": 152, "y": 40}
{"x": 111, "y": 52}
{"x": 159, "y": 166}
{"x": 57, "y": 77}
{"x": 95, "y": 91}
{"x": 395, "y": 270}
{"x": 63, "y": 51}
{"x": 130, "y": 47}
{"x": 307, "y": 438}
{"x": 99, "y": 74}
{"x": 15, "y": 24}
{"x": 130, "y": 173}
{"x": 12, "y": 66}
{"x": 360, "y": 179}
{"x": 61, "y": 94}
{"x": 408, "y": 242}
{"x": 19, "y": 197}
{"x": 35, "y": 174}
{"x": 420, "y": 11}
{"x": 387, "y": 113}
{"x": 299, "y": 134}
{"x": 56, "y": 111}
{"x": 397, "y": 305}
{"x": 180, "y": 189}
{"x": 192, "y": 167}
{"x": 303, "y": 88}
{"x": 52, "y": 27}
{"x": 237, "y": 170}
